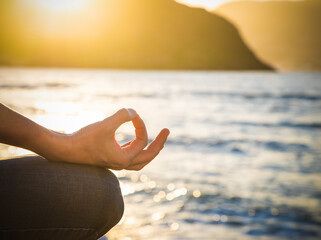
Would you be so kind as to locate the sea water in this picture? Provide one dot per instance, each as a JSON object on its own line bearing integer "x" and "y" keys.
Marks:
{"x": 243, "y": 160}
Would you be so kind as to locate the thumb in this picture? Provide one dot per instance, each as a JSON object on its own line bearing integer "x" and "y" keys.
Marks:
{"x": 121, "y": 116}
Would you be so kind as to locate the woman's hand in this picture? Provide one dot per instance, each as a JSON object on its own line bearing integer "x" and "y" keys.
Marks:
{"x": 95, "y": 144}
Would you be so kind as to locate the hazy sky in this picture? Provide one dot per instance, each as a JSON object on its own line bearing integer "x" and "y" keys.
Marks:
{"x": 211, "y": 4}
{"x": 79, "y": 4}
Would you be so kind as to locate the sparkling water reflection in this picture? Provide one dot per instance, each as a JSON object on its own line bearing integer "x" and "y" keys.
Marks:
{"x": 243, "y": 160}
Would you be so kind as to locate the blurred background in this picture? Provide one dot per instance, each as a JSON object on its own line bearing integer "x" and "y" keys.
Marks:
{"x": 238, "y": 83}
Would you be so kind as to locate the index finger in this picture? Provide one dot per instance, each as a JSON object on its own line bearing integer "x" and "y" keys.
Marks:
{"x": 141, "y": 138}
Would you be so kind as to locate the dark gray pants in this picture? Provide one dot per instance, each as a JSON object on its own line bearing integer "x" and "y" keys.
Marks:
{"x": 47, "y": 200}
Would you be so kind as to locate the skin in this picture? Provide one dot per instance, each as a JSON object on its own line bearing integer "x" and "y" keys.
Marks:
{"x": 94, "y": 144}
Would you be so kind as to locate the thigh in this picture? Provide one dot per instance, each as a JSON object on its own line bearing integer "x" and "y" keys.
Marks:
{"x": 40, "y": 199}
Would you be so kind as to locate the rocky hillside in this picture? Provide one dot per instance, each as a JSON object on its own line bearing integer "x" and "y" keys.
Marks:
{"x": 284, "y": 34}
{"x": 127, "y": 34}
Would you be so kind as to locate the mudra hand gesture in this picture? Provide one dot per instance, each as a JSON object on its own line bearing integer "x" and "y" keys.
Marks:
{"x": 94, "y": 144}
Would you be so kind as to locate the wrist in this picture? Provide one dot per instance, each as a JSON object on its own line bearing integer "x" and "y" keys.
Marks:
{"x": 53, "y": 146}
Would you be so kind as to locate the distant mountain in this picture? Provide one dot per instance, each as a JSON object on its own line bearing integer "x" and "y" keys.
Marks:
{"x": 127, "y": 34}
{"x": 284, "y": 34}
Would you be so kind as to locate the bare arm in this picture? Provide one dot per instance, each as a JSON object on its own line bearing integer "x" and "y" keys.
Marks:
{"x": 94, "y": 144}
{"x": 20, "y": 131}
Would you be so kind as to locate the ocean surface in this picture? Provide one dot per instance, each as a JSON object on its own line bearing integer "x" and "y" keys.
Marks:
{"x": 243, "y": 160}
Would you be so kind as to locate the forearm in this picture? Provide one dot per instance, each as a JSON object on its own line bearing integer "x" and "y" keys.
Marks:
{"x": 20, "y": 131}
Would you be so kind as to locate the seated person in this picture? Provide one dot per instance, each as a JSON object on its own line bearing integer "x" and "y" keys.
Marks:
{"x": 65, "y": 192}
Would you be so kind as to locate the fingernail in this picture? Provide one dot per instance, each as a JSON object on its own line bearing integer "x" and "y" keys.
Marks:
{"x": 132, "y": 113}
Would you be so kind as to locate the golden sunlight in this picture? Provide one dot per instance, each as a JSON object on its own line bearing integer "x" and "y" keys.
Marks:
{"x": 61, "y": 5}
{"x": 213, "y": 4}
{"x": 64, "y": 116}
{"x": 207, "y": 4}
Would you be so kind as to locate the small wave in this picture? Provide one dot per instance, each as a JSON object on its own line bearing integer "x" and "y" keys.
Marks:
{"x": 284, "y": 147}
{"x": 281, "y": 124}
{"x": 229, "y": 144}
{"x": 32, "y": 87}
{"x": 300, "y": 96}
{"x": 249, "y": 210}
{"x": 232, "y": 221}
{"x": 283, "y": 231}
{"x": 129, "y": 95}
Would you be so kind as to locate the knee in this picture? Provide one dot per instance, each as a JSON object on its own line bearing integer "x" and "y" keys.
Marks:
{"x": 75, "y": 196}
{"x": 112, "y": 202}
{"x": 114, "y": 196}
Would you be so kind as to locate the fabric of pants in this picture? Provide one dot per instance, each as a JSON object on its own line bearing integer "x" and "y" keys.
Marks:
{"x": 40, "y": 199}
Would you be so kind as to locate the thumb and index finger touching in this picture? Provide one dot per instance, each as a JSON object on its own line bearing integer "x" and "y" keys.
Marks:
{"x": 121, "y": 116}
